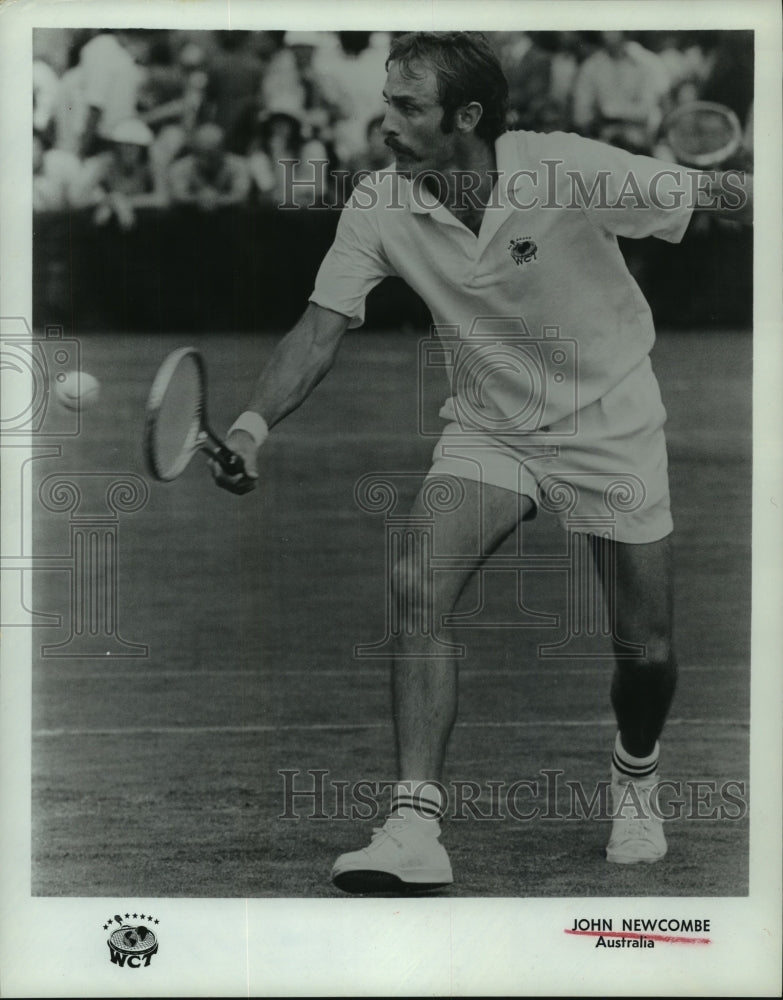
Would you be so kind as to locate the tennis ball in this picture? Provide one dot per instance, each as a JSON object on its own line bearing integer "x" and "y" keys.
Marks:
{"x": 77, "y": 390}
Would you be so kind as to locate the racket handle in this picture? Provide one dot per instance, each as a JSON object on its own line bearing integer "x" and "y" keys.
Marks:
{"x": 231, "y": 463}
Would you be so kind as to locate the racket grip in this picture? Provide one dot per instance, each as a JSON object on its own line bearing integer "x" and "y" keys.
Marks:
{"x": 231, "y": 463}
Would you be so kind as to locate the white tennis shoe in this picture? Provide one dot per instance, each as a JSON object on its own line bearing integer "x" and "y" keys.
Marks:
{"x": 404, "y": 853}
{"x": 637, "y": 830}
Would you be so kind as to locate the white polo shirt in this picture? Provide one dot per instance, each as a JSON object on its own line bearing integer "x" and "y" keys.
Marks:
{"x": 538, "y": 314}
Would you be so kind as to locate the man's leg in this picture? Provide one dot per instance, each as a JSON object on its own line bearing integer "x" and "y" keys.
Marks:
{"x": 424, "y": 684}
{"x": 637, "y": 583}
{"x": 424, "y": 680}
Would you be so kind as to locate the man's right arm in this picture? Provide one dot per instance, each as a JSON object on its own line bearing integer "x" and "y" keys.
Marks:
{"x": 297, "y": 365}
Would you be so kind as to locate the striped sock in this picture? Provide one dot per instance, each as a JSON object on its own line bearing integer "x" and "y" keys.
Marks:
{"x": 426, "y": 799}
{"x": 629, "y": 766}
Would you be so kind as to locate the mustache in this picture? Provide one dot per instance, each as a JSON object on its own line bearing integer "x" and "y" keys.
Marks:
{"x": 399, "y": 148}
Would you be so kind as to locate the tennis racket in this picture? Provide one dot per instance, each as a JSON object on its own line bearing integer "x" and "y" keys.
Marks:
{"x": 176, "y": 424}
{"x": 702, "y": 134}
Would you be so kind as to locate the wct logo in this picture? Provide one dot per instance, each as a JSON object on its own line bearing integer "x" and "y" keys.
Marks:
{"x": 523, "y": 249}
{"x": 131, "y": 945}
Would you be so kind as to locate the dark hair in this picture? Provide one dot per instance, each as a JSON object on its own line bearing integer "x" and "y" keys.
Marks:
{"x": 466, "y": 69}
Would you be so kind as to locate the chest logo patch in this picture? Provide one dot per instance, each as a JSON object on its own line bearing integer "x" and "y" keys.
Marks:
{"x": 523, "y": 249}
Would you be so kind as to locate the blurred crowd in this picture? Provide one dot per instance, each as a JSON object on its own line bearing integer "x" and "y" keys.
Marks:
{"x": 124, "y": 120}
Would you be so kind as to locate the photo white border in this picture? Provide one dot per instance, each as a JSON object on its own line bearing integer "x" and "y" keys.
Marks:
{"x": 53, "y": 946}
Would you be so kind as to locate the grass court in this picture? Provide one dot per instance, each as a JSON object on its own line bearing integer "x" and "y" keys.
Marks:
{"x": 158, "y": 776}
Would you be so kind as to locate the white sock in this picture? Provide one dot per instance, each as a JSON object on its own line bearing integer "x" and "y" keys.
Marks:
{"x": 629, "y": 766}
{"x": 420, "y": 799}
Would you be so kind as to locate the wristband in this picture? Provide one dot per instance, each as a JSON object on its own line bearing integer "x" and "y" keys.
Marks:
{"x": 253, "y": 424}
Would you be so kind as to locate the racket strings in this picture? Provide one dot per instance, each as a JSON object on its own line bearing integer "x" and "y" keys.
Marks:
{"x": 703, "y": 133}
{"x": 178, "y": 402}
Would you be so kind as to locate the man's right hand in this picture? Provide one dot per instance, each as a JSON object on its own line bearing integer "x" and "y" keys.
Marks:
{"x": 243, "y": 445}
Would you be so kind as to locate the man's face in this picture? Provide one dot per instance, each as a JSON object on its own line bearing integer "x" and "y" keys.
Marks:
{"x": 412, "y": 123}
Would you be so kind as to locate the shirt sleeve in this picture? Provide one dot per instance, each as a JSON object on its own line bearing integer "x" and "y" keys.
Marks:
{"x": 626, "y": 194}
{"x": 356, "y": 262}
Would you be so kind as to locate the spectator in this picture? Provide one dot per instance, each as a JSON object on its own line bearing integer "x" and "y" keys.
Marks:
{"x": 55, "y": 177}
{"x": 286, "y": 168}
{"x": 45, "y": 86}
{"x": 234, "y": 75}
{"x": 729, "y": 80}
{"x": 355, "y": 71}
{"x": 316, "y": 96}
{"x": 209, "y": 177}
{"x": 69, "y": 111}
{"x": 567, "y": 56}
{"x": 619, "y": 94}
{"x": 52, "y": 46}
{"x": 164, "y": 80}
{"x": 528, "y": 70}
{"x": 120, "y": 180}
{"x": 110, "y": 80}
{"x": 179, "y": 110}
{"x": 281, "y": 87}
{"x": 376, "y": 154}
{"x": 668, "y": 46}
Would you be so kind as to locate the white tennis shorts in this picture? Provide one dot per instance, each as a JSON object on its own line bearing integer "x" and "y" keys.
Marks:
{"x": 609, "y": 478}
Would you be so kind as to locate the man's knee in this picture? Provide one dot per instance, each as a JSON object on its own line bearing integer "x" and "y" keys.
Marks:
{"x": 417, "y": 592}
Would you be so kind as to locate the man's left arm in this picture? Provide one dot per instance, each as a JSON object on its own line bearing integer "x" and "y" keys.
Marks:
{"x": 636, "y": 196}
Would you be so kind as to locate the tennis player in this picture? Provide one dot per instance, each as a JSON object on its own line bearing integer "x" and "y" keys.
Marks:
{"x": 510, "y": 238}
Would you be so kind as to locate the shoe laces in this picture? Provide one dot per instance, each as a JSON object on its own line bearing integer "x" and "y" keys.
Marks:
{"x": 640, "y": 827}
{"x": 393, "y": 823}
{"x": 638, "y": 820}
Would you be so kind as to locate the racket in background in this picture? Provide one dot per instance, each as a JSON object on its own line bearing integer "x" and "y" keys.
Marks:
{"x": 702, "y": 134}
{"x": 176, "y": 424}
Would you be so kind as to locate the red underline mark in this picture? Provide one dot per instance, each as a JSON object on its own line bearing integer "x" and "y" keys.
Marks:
{"x": 666, "y": 938}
